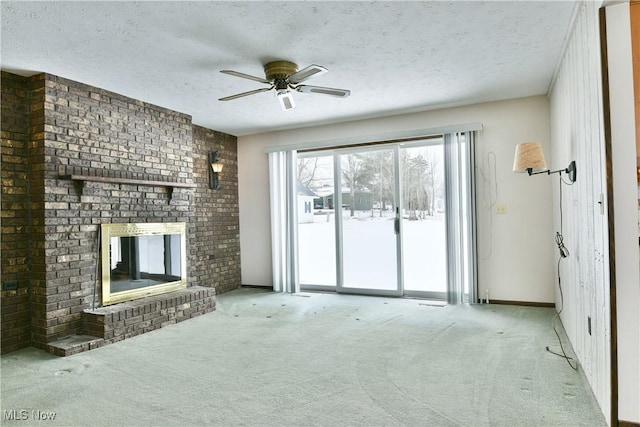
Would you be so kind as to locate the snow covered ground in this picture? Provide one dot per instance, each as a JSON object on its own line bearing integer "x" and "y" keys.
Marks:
{"x": 369, "y": 247}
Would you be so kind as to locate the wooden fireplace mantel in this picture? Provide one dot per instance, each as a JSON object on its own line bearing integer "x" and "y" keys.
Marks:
{"x": 81, "y": 179}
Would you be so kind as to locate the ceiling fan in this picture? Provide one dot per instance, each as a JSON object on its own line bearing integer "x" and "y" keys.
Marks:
{"x": 284, "y": 76}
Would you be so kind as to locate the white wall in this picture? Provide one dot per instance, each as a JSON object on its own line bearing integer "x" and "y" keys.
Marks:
{"x": 516, "y": 249}
{"x": 625, "y": 209}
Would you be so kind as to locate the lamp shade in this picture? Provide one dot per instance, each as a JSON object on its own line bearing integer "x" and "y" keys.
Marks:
{"x": 529, "y": 155}
{"x": 217, "y": 167}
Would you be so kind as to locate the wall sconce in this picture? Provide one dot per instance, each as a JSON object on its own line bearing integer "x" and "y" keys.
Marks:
{"x": 530, "y": 158}
{"x": 214, "y": 170}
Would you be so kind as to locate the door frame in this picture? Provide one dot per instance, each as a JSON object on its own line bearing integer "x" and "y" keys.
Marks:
{"x": 396, "y": 148}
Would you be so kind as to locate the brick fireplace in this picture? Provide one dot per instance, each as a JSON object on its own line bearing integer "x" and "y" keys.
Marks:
{"x": 149, "y": 165}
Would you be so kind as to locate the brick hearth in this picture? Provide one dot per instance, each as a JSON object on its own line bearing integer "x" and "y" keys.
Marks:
{"x": 117, "y": 322}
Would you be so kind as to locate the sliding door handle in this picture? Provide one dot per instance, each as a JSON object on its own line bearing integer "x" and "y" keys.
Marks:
{"x": 396, "y": 224}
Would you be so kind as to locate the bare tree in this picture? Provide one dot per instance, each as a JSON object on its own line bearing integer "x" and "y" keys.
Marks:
{"x": 436, "y": 177}
{"x": 354, "y": 175}
{"x": 423, "y": 181}
{"x": 415, "y": 185}
{"x": 379, "y": 167}
{"x": 307, "y": 168}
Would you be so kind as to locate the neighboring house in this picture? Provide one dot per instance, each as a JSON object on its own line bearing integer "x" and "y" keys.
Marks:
{"x": 362, "y": 200}
{"x": 306, "y": 208}
{"x": 324, "y": 198}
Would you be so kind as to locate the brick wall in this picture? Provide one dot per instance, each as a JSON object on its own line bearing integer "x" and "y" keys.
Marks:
{"x": 15, "y": 310}
{"x": 73, "y": 128}
{"x": 217, "y": 232}
{"x": 41, "y": 300}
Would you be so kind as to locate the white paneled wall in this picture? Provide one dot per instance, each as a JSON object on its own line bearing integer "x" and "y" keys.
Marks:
{"x": 577, "y": 134}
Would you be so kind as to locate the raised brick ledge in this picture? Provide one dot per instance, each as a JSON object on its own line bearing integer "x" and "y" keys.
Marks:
{"x": 106, "y": 325}
{"x": 74, "y": 344}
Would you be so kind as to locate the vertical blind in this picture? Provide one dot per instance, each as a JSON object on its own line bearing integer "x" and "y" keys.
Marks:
{"x": 282, "y": 181}
{"x": 461, "y": 237}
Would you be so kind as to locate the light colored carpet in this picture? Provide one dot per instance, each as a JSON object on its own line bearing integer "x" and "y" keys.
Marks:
{"x": 266, "y": 359}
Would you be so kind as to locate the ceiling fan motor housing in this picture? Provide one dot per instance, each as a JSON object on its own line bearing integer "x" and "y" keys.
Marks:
{"x": 279, "y": 70}
{"x": 284, "y": 76}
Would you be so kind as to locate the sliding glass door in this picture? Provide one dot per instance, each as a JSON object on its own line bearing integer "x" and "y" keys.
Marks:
{"x": 387, "y": 220}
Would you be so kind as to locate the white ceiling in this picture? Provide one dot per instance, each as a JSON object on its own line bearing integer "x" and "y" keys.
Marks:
{"x": 395, "y": 56}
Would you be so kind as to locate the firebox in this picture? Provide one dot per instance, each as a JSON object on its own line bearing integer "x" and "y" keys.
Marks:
{"x": 142, "y": 259}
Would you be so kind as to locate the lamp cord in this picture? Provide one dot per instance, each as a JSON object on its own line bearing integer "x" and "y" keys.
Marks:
{"x": 555, "y": 330}
{"x": 564, "y": 252}
{"x": 487, "y": 180}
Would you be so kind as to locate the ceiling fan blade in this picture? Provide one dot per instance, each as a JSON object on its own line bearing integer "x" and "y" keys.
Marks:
{"x": 245, "y": 76}
{"x": 340, "y": 93}
{"x": 306, "y": 73}
{"x": 240, "y": 95}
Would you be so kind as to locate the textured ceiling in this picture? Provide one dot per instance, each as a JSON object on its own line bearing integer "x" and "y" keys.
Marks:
{"x": 395, "y": 56}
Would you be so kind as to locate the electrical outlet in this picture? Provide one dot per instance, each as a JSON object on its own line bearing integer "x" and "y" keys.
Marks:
{"x": 501, "y": 209}
{"x": 10, "y": 285}
{"x": 601, "y": 203}
{"x": 589, "y": 324}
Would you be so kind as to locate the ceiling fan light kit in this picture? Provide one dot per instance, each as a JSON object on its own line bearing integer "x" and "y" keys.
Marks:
{"x": 286, "y": 100}
{"x": 284, "y": 76}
